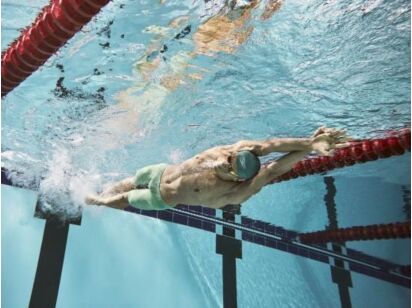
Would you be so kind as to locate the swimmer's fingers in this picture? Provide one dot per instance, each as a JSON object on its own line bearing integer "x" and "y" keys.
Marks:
{"x": 326, "y": 130}
{"x": 331, "y": 130}
{"x": 341, "y": 136}
{"x": 343, "y": 139}
{"x": 337, "y": 133}
{"x": 319, "y": 131}
{"x": 333, "y": 133}
{"x": 326, "y": 152}
{"x": 342, "y": 145}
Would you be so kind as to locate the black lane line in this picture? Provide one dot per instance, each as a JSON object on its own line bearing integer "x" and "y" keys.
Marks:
{"x": 268, "y": 229}
{"x": 340, "y": 275}
{"x": 389, "y": 272}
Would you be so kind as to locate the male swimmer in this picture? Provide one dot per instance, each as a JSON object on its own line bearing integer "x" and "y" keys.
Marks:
{"x": 219, "y": 176}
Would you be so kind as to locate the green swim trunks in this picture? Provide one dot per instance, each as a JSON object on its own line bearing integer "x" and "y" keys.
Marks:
{"x": 149, "y": 198}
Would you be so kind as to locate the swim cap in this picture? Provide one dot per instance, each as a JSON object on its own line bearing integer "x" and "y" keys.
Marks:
{"x": 247, "y": 165}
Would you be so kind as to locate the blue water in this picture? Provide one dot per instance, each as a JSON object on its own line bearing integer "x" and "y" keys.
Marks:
{"x": 337, "y": 63}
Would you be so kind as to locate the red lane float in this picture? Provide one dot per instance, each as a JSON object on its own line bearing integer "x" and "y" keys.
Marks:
{"x": 357, "y": 152}
{"x": 359, "y": 233}
{"x": 53, "y": 27}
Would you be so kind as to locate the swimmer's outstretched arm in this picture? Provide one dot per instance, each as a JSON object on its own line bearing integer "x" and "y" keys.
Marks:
{"x": 118, "y": 201}
{"x": 262, "y": 148}
{"x": 324, "y": 143}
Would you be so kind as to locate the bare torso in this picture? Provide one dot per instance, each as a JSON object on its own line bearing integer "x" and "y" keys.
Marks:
{"x": 200, "y": 180}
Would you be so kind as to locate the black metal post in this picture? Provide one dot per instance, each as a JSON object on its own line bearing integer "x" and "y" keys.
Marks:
{"x": 50, "y": 265}
{"x": 230, "y": 248}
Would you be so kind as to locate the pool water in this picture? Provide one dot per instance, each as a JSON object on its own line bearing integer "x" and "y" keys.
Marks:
{"x": 89, "y": 116}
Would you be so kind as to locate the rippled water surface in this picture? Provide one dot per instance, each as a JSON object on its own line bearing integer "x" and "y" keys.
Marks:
{"x": 336, "y": 63}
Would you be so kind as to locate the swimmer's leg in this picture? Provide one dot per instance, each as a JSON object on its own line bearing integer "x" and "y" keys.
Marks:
{"x": 140, "y": 180}
{"x": 118, "y": 201}
{"x": 123, "y": 186}
{"x": 139, "y": 198}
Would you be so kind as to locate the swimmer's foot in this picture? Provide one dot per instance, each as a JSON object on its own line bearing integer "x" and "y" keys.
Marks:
{"x": 94, "y": 200}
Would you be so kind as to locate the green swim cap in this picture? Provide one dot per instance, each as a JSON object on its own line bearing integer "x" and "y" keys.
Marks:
{"x": 247, "y": 165}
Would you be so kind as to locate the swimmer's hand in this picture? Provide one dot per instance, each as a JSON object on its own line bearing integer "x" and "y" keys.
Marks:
{"x": 325, "y": 140}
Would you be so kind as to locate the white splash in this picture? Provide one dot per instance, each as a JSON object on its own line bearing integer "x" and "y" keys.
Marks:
{"x": 23, "y": 169}
{"x": 64, "y": 188}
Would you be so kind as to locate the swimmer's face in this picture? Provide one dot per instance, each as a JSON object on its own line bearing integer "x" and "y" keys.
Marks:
{"x": 232, "y": 168}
